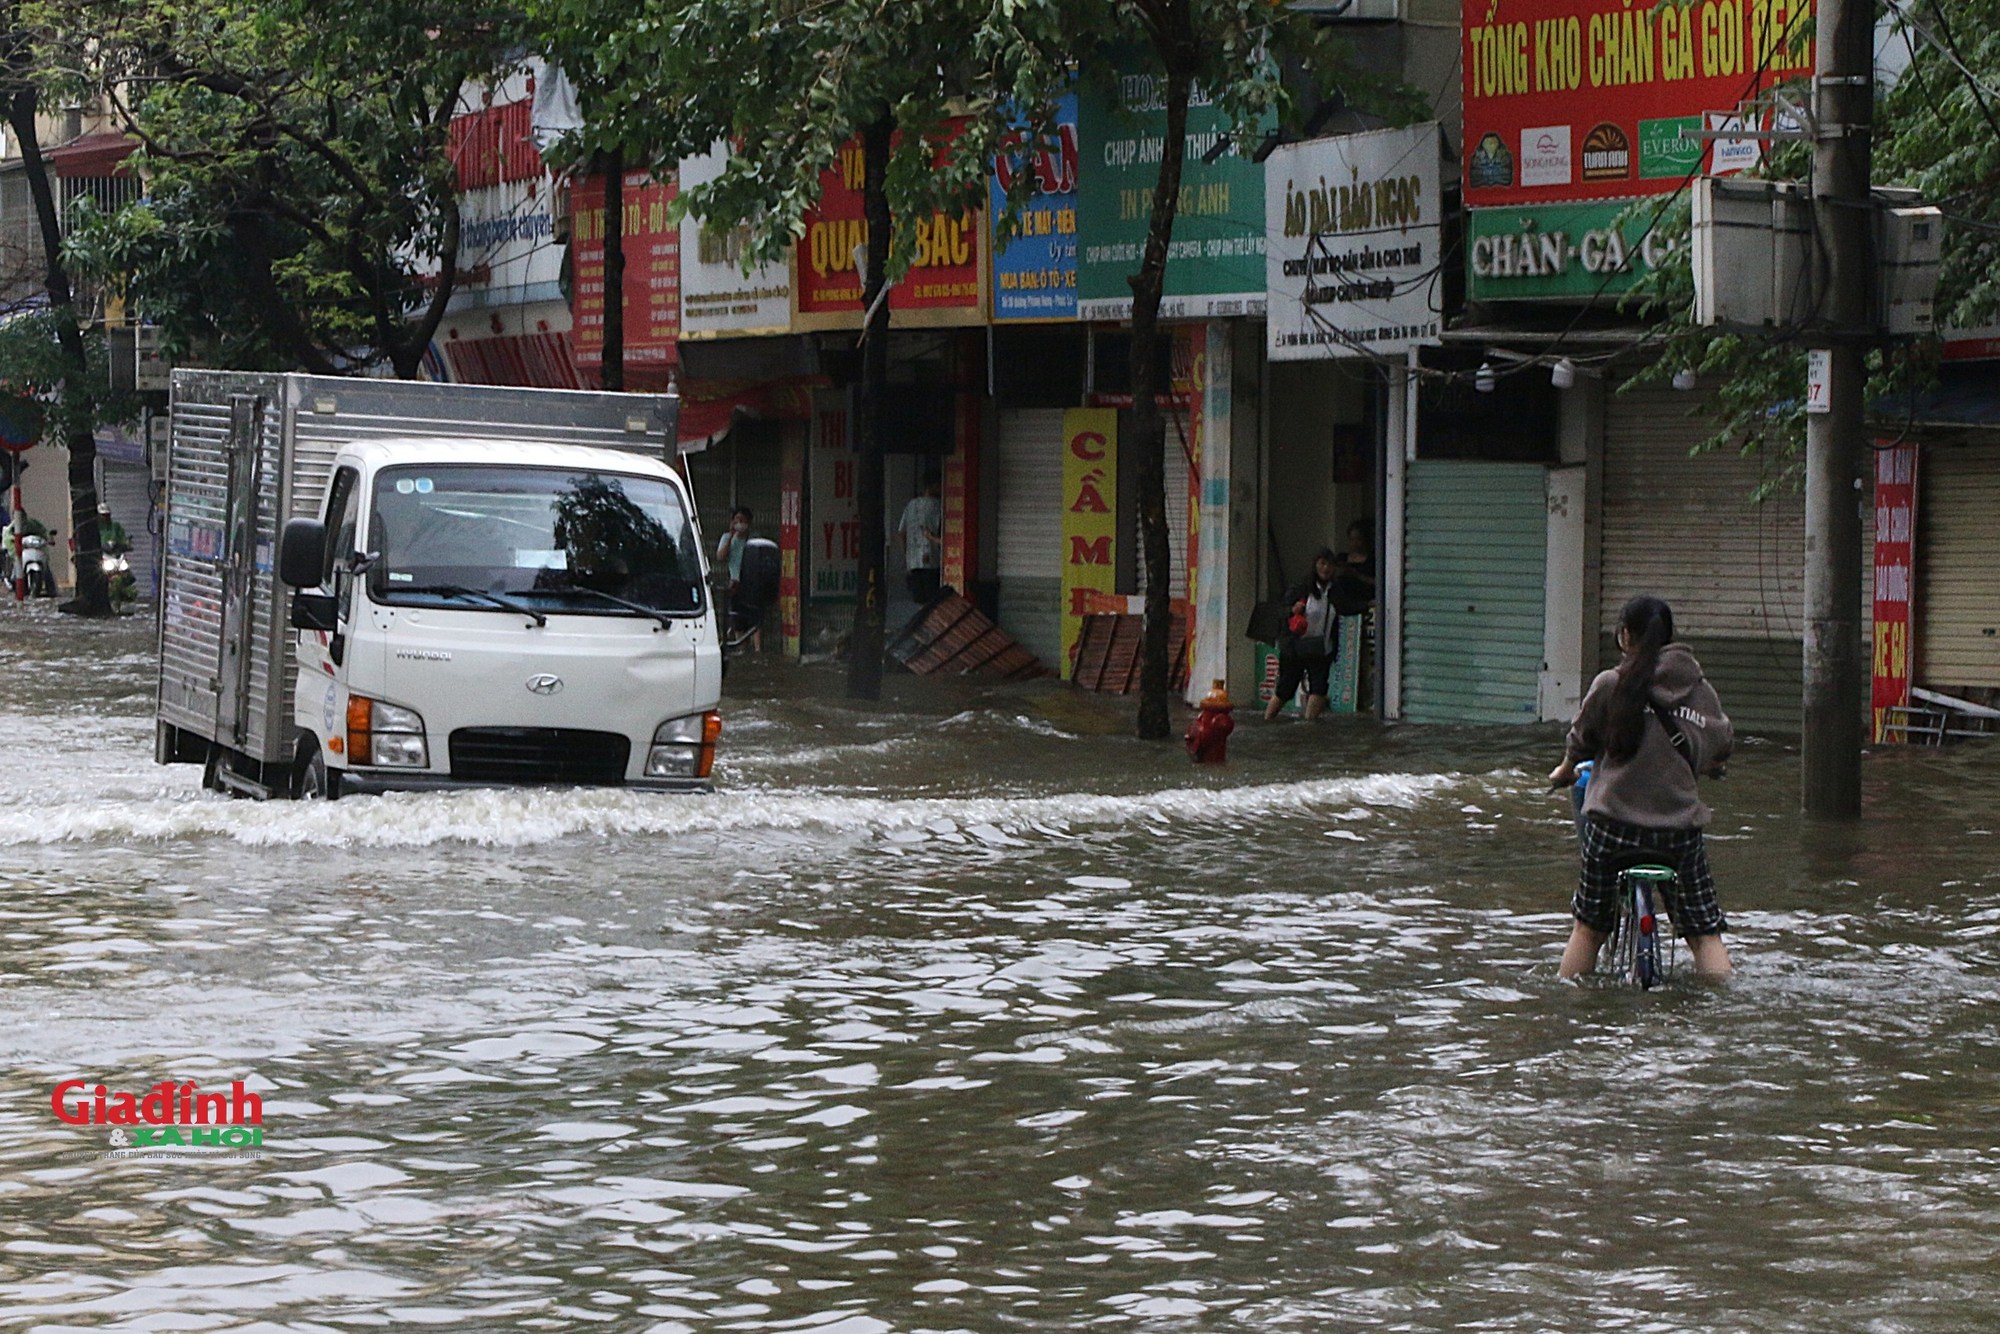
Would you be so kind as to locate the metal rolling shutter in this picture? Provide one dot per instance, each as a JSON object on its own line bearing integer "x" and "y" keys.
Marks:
{"x": 1174, "y": 461}
{"x": 1958, "y": 577}
{"x": 1030, "y": 528}
{"x": 1686, "y": 529}
{"x": 1473, "y": 597}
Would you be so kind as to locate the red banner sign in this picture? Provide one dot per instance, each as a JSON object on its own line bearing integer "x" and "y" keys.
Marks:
{"x": 1895, "y": 533}
{"x": 652, "y": 245}
{"x": 495, "y": 145}
{"x": 1601, "y": 99}
{"x": 944, "y": 273}
{"x": 791, "y": 514}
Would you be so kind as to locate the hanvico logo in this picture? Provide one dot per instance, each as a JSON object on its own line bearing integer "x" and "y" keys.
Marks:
{"x": 166, "y": 1115}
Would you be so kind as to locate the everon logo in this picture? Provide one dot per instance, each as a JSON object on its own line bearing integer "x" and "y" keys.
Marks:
{"x": 1607, "y": 154}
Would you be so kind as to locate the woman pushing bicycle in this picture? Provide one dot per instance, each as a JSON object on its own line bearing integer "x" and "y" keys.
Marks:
{"x": 1652, "y": 725}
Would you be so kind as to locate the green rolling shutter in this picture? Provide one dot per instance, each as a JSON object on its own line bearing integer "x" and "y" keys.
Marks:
{"x": 1477, "y": 553}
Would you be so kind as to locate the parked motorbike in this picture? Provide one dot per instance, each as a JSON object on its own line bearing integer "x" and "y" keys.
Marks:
{"x": 41, "y": 580}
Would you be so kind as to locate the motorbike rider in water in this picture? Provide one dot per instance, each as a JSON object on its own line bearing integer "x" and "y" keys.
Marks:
{"x": 116, "y": 544}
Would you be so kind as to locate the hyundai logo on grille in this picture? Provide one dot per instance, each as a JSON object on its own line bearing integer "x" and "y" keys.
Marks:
{"x": 544, "y": 684}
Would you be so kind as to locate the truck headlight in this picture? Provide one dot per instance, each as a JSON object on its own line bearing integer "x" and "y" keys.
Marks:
{"x": 385, "y": 734}
{"x": 684, "y": 747}
{"x": 400, "y": 749}
{"x": 390, "y": 718}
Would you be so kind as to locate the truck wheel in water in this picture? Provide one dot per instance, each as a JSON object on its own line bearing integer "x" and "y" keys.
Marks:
{"x": 315, "y": 781}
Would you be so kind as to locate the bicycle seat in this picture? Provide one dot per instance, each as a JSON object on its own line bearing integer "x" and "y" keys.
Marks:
{"x": 1644, "y": 864}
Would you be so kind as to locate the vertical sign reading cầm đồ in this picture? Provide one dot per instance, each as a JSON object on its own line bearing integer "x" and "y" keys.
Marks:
{"x": 1089, "y": 517}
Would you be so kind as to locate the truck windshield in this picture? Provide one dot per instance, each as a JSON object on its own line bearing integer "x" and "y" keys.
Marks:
{"x": 547, "y": 538}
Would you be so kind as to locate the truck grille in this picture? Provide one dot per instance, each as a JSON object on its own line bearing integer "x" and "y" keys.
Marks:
{"x": 539, "y": 755}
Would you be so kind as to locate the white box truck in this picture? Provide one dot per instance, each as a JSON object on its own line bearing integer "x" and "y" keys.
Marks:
{"x": 374, "y": 584}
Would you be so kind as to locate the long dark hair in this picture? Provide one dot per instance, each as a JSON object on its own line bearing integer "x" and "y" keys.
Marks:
{"x": 1650, "y": 624}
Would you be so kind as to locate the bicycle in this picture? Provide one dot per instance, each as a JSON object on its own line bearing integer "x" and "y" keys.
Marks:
{"x": 1635, "y": 949}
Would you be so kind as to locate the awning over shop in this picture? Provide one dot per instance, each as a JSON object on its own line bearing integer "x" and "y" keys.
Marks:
{"x": 710, "y": 407}
{"x": 1966, "y": 394}
{"x": 532, "y": 360}
{"x": 92, "y": 155}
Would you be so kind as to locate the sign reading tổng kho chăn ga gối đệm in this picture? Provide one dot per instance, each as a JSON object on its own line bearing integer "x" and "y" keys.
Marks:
{"x": 1599, "y": 99}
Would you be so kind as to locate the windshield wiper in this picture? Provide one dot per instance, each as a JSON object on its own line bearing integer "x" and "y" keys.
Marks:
{"x": 665, "y": 618}
{"x": 493, "y": 599}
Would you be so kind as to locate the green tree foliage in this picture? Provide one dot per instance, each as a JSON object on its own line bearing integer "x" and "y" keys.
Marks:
{"x": 1937, "y": 129}
{"x": 33, "y": 365}
{"x": 930, "y": 89}
{"x": 301, "y": 200}
{"x": 1940, "y": 132}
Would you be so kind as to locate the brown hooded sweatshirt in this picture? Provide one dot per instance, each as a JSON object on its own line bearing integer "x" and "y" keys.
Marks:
{"x": 1655, "y": 788}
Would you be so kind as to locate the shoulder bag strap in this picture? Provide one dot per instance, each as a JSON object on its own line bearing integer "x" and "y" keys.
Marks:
{"x": 1675, "y": 736}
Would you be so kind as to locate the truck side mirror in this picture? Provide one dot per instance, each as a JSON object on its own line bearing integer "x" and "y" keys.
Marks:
{"x": 757, "y": 586}
{"x": 302, "y": 554}
{"x": 315, "y": 611}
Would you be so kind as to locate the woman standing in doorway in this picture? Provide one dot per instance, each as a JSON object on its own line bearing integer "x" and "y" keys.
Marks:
{"x": 1652, "y": 725}
{"x": 1311, "y": 642}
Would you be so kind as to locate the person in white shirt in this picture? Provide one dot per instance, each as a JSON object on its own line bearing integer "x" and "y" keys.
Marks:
{"x": 922, "y": 534}
{"x": 729, "y": 552}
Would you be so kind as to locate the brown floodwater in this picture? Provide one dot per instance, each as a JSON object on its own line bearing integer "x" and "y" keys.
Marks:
{"x": 968, "y": 1012}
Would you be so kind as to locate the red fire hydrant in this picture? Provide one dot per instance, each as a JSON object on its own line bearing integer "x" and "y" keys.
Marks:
{"x": 1208, "y": 735}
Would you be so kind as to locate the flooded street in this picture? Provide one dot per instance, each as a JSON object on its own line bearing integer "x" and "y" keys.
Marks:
{"x": 968, "y": 1012}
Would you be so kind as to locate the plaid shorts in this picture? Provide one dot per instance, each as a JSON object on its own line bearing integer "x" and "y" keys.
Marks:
{"x": 1612, "y": 846}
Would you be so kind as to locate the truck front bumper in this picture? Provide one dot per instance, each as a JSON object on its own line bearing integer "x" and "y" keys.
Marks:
{"x": 374, "y": 781}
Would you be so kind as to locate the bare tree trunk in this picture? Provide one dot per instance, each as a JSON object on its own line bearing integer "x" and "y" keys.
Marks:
{"x": 92, "y": 594}
{"x": 1148, "y": 435}
{"x": 612, "y": 374}
{"x": 864, "y": 667}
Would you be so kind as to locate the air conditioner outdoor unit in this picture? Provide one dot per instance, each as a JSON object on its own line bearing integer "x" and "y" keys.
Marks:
{"x": 1909, "y": 243}
{"x": 1351, "y": 9}
{"x": 1752, "y": 253}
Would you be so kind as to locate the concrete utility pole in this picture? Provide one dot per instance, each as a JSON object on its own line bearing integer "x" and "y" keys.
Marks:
{"x": 1836, "y": 664}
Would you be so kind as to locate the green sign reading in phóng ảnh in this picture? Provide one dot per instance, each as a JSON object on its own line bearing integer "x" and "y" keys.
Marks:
{"x": 1568, "y": 251}
{"x": 1215, "y": 264}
